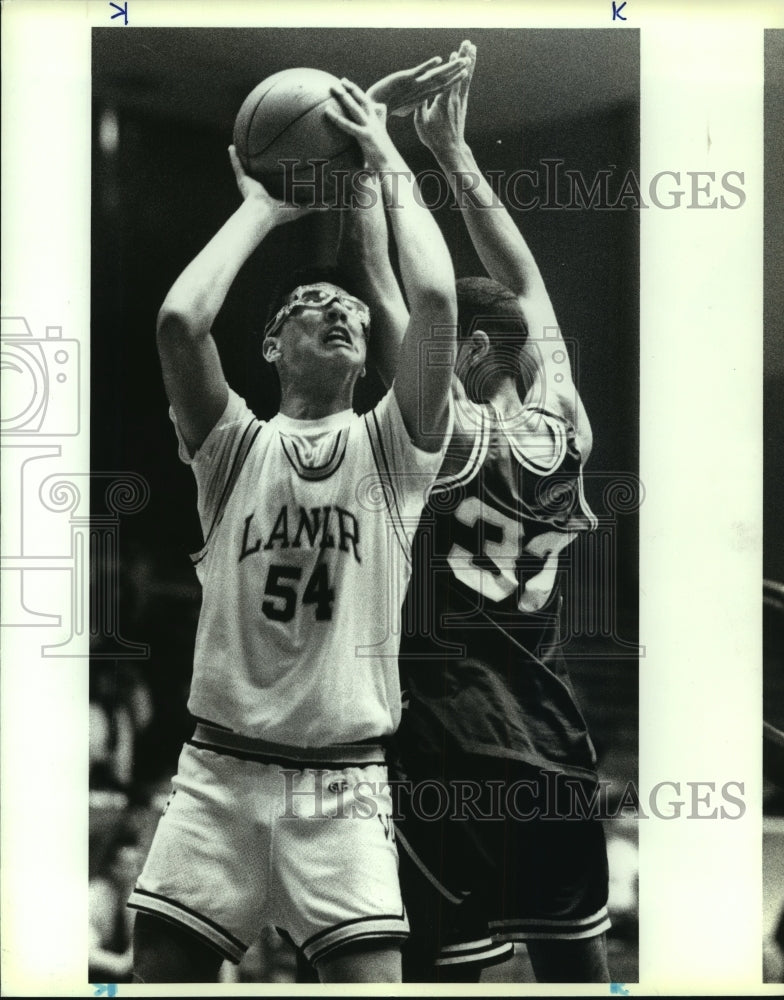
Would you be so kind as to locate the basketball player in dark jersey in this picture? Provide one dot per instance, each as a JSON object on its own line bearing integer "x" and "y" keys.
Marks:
{"x": 496, "y": 764}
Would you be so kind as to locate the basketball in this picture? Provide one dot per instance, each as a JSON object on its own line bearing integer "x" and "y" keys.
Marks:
{"x": 281, "y": 129}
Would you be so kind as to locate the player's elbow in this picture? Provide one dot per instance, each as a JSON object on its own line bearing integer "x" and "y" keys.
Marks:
{"x": 176, "y": 325}
{"x": 570, "y": 405}
{"x": 584, "y": 441}
{"x": 584, "y": 432}
{"x": 437, "y": 302}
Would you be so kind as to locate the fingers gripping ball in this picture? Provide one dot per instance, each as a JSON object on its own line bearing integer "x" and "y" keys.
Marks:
{"x": 282, "y": 120}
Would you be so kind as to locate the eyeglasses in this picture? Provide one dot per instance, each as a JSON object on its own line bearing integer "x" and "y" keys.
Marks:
{"x": 319, "y": 297}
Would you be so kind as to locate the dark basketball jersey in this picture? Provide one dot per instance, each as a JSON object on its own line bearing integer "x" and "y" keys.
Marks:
{"x": 480, "y": 658}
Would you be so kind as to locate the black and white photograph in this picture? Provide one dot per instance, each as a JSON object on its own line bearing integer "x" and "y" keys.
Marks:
{"x": 487, "y": 579}
{"x": 361, "y": 501}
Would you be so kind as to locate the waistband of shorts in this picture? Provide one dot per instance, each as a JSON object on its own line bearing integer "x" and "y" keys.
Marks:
{"x": 334, "y": 757}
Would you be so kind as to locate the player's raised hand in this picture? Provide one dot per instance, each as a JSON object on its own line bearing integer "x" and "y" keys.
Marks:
{"x": 403, "y": 91}
{"x": 441, "y": 124}
{"x": 253, "y": 190}
{"x": 364, "y": 119}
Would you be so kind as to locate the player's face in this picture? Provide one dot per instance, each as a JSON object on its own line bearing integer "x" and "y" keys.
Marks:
{"x": 330, "y": 332}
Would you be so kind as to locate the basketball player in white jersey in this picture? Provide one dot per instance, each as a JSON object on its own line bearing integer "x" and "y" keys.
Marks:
{"x": 489, "y": 703}
{"x": 279, "y": 812}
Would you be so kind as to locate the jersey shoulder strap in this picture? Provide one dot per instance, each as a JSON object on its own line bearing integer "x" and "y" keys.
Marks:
{"x": 248, "y": 438}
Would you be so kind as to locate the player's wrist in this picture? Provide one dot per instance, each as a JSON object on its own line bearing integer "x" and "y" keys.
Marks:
{"x": 454, "y": 157}
{"x": 261, "y": 214}
{"x": 381, "y": 155}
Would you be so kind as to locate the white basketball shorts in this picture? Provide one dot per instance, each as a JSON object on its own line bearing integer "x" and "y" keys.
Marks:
{"x": 256, "y": 833}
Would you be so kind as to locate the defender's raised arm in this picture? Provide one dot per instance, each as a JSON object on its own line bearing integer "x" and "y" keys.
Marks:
{"x": 500, "y": 245}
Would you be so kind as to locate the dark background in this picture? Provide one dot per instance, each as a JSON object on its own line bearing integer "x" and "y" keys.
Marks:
{"x": 773, "y": 550}
{"x": 773, "y": 410}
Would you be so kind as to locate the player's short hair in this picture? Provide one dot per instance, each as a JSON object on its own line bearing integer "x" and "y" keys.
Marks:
{"x": 486, "y": 304}
{"x": 310, "y": 275}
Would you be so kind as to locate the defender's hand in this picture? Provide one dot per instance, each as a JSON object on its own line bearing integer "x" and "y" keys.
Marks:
{"x": 441, "y": 126}
{"x": 403, "y": 91}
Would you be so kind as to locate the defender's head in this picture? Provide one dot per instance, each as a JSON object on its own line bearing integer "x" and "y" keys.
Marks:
{"x": 316, "y": 328}
{"x": 492, "y": 330}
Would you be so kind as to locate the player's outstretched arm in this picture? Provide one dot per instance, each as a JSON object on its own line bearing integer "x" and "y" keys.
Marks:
{"x": 363, "y": 253}
{"x": 500, "y": 244}
{"x": 363, "y": 250}
{"x": 422, "y": 389}
{"x": 191, "y": 367}
{"x": 403, "y": 91}
{"x": 498, "y": 241}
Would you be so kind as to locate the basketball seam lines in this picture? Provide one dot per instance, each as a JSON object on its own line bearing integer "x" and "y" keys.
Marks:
{"x": 251, "y": 119}
{"x": 287, "y": 126}
{"x": 293, "y": 121}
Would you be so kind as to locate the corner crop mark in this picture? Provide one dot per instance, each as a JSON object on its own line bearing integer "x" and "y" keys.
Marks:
{"x": 122, "y": 11}
{"x": 616, "y": 11}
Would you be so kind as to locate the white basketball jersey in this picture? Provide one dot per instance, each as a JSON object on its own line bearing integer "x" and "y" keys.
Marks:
{"x": 308, "y": 527}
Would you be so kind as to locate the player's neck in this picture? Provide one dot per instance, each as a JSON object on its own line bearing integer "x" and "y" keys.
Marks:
{"x": 313, "y": 406}
{"x": 505, "y": 398}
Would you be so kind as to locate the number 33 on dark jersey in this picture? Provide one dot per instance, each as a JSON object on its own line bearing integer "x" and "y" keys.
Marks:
{"x": 479, "y": 653}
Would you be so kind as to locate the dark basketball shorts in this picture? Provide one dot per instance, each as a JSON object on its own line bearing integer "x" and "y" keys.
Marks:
{"x": 256, "y": 833}
{"x": 502, "y": 853}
